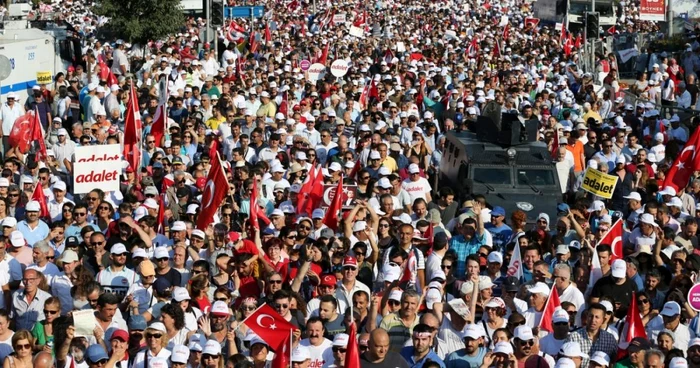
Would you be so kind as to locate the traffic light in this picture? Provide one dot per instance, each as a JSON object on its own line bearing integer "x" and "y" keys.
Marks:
{"x": 592, "y": 25}
{"x": 217, "y": 13}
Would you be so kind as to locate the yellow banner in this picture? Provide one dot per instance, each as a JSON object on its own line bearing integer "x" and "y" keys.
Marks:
{"x": 599, "y": 183}
{"x": 43, "y": 77}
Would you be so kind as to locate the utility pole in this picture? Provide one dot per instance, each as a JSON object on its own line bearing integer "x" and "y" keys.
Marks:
{"x": 670, "y": 19}
{"x": 208, "y": 16}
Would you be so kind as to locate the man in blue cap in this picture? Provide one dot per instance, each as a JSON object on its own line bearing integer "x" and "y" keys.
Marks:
{"x": 500, "y": 232}
{"x": 96, "y": 356}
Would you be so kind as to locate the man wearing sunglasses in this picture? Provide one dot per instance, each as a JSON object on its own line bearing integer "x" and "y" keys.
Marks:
{"x": 96, "y": 356}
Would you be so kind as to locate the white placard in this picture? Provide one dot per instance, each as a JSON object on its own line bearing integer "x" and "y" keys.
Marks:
{"x": 357, "y": 31}
{"x": 97, "y": 167}
{"x": 400, "y": 47}
{"x": 315, "y": 72}
{"x": 84, "y": 322}
{"x": 339, "y": 18}
{"x": 339, "y": 68}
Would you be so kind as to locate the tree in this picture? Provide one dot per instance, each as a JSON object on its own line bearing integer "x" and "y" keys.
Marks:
{"x": 138, "y": 21}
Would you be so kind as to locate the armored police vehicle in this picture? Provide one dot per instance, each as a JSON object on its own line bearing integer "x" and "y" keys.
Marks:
{"x": 502, "y": 161}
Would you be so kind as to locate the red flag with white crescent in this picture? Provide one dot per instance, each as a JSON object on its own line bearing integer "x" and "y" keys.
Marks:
{"x": 132, "y": 131}
{"x": 614, "y": 238}
{"x": 214, "y": 192}
{"x": 685, "y": 164}
{"x": 331, "y": 217}
{"x": 548, "y": 313}
{"x": 37, "y": 136}
{"x": 269, "y": 326}
{"x": 39, "y": 196}
{"x": 633, "y": 328}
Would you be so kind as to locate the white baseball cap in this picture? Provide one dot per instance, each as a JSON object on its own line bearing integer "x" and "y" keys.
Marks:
{"x": 301, "y": 354}
{"x": 619, "y": 268}
{"x": 523, "y": 332}
{"x": 341, "y": 339}
{"x": 633, "y": 195}
{"x": 540, "y": 288}
{"x": 17, "y": 239}
{"x": 560, "y": 315}
{"x": 472, "y": 331}
{"x": 180, "y": 354}
{"x": 600, "y": 358}
{"x": 572, "y": 349}
{"x": 212, "y": 347}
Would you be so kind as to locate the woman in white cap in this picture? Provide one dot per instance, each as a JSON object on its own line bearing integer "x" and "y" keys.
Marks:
{"x": 501, "y": 357}
{"x": 493, "y": 318}
{"x": 599, "y": 360}
{"x": 156, "y": 341}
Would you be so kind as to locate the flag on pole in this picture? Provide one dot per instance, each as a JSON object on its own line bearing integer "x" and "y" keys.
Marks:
{"x": 555, "y": 145}
{"x": 270, "y": 326}
{"x": 283, "y": 356}
{"x": 352, "y": 354}
{"x": 633, "y": 328}
{"x": 214, "y": 192}
{"x": 132, "y": 131}
{"x": 614, "y": 238}
{"x": 687, "y": 162}
{"x": 268, "y": 34}
{"x": 36, "y": 136}
{"x": 324, "y": 55}
{"x": 596, "y": 271}
{"x": 552, "y": 304}
{"x": 331, "y": 217}
{"x": 253, "y": 206}
{"x": 39, "y": 196}
{"x": 161, "y": 214}
{"x": 515, "y": 267}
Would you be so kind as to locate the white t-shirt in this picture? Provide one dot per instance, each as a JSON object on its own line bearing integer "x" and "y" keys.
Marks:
{"x": 322, "y": 355}
{"x": 416, "y": 189}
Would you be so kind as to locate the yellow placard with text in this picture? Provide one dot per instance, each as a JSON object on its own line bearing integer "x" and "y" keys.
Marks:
{"x": 599, "y": 183}
{"x": 43, "y": 77}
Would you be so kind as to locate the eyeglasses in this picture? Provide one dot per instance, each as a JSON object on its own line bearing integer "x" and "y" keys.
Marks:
{"x": 27, "y": 279}
{"x": 50, "y": 257}
{"x": 51, "y": 312}
{"x": 275, "y": 281}
{"x": 163, "y": 259}
{"x": 394, "y": 302}
{"x": 363, "y": 347}
{"x": 527, "y": 342}
{"x": 561, "y": 323}
{"x": 643, "y": 301}
{"x": 97, "y": 243}
{"x": 154, "y": 335}
{"x": 13, "y": 195}
{"x": 23, "y": 346}
{"x": 445, "y": 267}
{"x": 103, "y": 208}
{"x": 281, "y": 306}
{"x": 224, "y": 299}
{"x": 303, "y": 228}
{"x": 249, "y": 308}
{"x": 196, "y": 272}
{"x": 339, "y": 350}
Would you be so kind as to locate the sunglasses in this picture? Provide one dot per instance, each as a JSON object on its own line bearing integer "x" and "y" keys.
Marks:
{"x": 275, "y": 281}
{"x": 394, "y": 302}
{"x": 23, "y": 346}
{"x": 282, "y": 306}
{"x": 527, "y": 342}
{"x": 339, "y": 350}
{"x": 643, "y": 301}
{"x": 153, "y": 335}
{"x": 51, "y": 312}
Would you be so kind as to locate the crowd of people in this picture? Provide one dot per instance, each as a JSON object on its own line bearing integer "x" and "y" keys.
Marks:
{"x": 424, "y": 274}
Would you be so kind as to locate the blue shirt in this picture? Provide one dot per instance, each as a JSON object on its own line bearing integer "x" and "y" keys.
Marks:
{"x": 460, "y": 359}
{"x": 40, "y": 232}
{"x": 407, "y": 353}
{"x": 74, "y": 230}
{"x": 464, "y": 249}
{"x": 501, "y": 235}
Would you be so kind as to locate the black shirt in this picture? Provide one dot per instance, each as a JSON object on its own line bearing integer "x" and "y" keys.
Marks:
{"x": 173, "y": 275}
{"x": 606, "y": 286}
{"x": 392, "y": 360}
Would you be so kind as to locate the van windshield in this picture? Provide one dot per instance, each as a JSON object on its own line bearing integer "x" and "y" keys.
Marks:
{"x": 537, "y": 177}
{"x": 493, "y": 175}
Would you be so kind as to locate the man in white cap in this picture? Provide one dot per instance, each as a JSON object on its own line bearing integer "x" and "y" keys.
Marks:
{"x": 277, "y": 176}
{"x": 10, "y": 111}
{"x": 670, "y": 318}
{"x": 59, "y": 199}
{"x": 693, "y": 353}
{"x": 32, "y": 228}
{"x": 416, "y": 185}
{"x": 551, "y": 343}
{"x": 117, "y": 277}
{"x": 473, "y": 353}
{"x": 340, "y": 347}
{"x": 301, "y": 357}
{"x": 538, "y": 298}
{"x": 617, "y": 285}
{"x": 524, "y": 343}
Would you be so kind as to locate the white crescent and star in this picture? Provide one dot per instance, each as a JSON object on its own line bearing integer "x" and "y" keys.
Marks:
{"x": 615, "y": 241}
{"x": 210, "y": 189}
{"x": 264, "y": 316}
{"x": 681, "y": 159}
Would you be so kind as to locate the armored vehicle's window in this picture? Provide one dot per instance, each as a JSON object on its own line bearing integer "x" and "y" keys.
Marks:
{"x": 499, "y": 176}
{"x": 535, "y": 177}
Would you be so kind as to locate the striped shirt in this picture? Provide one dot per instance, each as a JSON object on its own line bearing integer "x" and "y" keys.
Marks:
{"x": 398, "y": 332}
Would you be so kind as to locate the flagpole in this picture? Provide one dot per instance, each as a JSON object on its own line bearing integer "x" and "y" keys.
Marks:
{"x": 291, "y": 344}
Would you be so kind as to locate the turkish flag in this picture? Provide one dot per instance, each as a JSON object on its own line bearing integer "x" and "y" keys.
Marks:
{"x": 253, "y": 212}
{"x": 352, "y": 355}
{"x": 316, "y": 195}
{"x": 270, "y": 327}
{"x": 506, "y": 32}
{"x": 36, "y": 136}
{"x": 552, "y": 304}
{"x": 112, "y": 79}
{"x": 683, "y": 166}
{"x": 473, "y": 47}
{"x": 532, "y": 21}
{"x": 562, "y": 36}
{"x": 253, "y": 43}
{"x": 283, "y": 356}
{"x": 611, "y": 30}
{"x": 555, "y": 145}
{"x": 268, "y": 35}
{"x": 331, "y": 216}
{"x": 633, "y": 328}
{"x": 324, "y": 55}
{"x": 614, "y": 238}
{"x": 304, "y": 192}
{"x": 214, "y": 193}
{"x": 39, "y": 196}
{"x": 20, "y": 134}
{"x": 284, "y": 105}
{"x": 158, "y": 126}
{"x": 578, "y": 42}
{"x": 132, "y": 131}
{"x": 161, "y": 215}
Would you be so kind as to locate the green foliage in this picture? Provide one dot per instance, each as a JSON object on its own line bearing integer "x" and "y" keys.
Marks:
{"x": 138, "y": 21}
